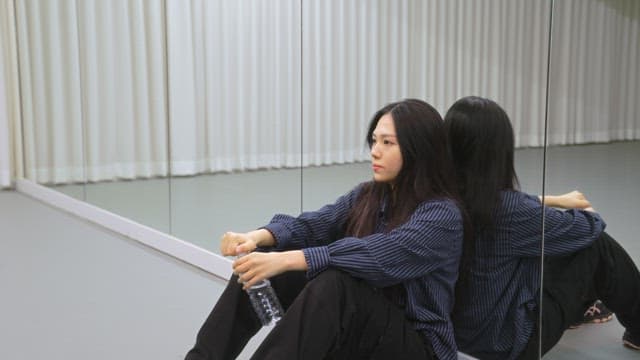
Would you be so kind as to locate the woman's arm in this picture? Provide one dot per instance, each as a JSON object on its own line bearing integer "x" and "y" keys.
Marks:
{"x": 286, "y": 232}
{"x": 429, "y": 240}
{"x": 565, "y": 231}
{"x": 571, "y": 200}
{"x": 313, "y": 228}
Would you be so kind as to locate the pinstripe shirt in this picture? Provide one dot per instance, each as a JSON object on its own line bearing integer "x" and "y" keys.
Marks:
{"x": 422, "y": 254}
{"x": 495, "y": 319}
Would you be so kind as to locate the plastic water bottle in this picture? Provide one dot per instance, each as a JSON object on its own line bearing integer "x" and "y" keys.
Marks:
{"x": 265, "y": 303}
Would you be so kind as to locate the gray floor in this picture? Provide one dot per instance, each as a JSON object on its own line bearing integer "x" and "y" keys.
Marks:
{"x": 609, "y": 174}
{"x": 72, "y": 290}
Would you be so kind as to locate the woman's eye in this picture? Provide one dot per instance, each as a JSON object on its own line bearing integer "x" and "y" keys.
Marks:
{"x": 387, "y": 142}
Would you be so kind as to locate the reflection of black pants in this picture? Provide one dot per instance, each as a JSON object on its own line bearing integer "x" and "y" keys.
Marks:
{"x": 334, "y": 316}
{"x": 602, "y": 271}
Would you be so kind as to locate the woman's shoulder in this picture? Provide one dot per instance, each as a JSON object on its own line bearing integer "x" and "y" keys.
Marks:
{"x": 519, "y": 198}
{"x": 518, "y": 205}
{"x": 441, "y": 207}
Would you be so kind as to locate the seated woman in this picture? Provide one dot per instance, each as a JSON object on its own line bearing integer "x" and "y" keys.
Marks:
{"x": 498, "y": 294}
{"x": 371, "y": 276}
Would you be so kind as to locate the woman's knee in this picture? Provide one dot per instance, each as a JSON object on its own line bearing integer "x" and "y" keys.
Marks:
{"x": 333, "y": 277}
{"x": 333, "y": 283}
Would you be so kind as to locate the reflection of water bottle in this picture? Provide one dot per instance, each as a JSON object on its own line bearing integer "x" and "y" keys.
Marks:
{"x": 265, "y": 302}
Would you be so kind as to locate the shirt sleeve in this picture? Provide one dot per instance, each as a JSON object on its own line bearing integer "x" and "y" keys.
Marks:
{"x": 313, "y": 228}
{"x": 430, "y": 238}
{"x": 565, "y": 231}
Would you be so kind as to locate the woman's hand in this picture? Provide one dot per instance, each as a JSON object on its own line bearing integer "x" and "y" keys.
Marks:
{"x": 574, "y": 200}
{"x": 571, "y": 200}
{"x": 233, "y": 244}
{"x": 255, "y": 267}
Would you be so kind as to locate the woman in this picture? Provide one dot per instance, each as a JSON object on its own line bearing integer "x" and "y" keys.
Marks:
{"x": 370, "y": 276}
{"x": 497, "y": 298}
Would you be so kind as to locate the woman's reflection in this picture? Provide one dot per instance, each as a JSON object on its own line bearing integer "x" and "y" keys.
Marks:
{"x": 497, "y": 299}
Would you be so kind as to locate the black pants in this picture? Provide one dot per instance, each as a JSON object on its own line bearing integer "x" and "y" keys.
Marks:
{"x": 602, "y": 271}
{"x": 334, "y": 316}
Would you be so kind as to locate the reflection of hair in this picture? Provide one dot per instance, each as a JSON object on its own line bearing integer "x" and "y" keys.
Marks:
{"x": 426, "y": 171}
{"x": 482, "y": 146}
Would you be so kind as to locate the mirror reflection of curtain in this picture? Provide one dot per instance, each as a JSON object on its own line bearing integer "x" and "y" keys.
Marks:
{"x": 123, "y": 88}
{"x": 92, "y": 69}
{"x": 234, "y": 99}
{"x": 10, "y": 130}
{"x": 361, "y": 54}
{"x": 595, "y": 72}
{"x": 50, "y": 90}
{"x": 97, "y": 68}
{"x": 356, "y": 55}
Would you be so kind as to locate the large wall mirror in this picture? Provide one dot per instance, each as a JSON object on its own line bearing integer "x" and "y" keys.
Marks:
{"x": 235, "y": 110}
{"x": 93, "y": 83}
{"x": 230, "y": 99}
{"x": 50, "y": 86}
{"x": 594, "y": 142}
{"x": 198, "y": 117}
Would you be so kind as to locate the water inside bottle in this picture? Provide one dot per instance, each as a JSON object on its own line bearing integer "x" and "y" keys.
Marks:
{"x": 265, "y": 303}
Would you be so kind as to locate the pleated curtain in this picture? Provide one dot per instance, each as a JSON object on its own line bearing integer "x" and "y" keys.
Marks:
{"x": 234, "y": 85}
{"x": 128, "y": 89}
{"x": 595, "y": 72}
{"x": 93, "y": 89}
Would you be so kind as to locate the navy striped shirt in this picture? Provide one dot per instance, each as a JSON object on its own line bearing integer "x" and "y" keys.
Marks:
{"x": 494, "y": 321}
{"x": 422, "y": 254}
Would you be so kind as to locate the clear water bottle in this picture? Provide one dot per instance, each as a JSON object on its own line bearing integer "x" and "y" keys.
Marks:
{"x": 265, "y": 303}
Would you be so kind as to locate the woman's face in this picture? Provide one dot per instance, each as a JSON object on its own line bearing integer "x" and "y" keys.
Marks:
{"x": 386, "y": 157}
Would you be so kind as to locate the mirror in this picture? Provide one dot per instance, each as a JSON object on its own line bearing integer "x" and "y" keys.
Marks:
{"x": 123, "y": 73}
{"x": 234, "y": 94}
{"x": 594, "y": 142}
{"x": 93, "y": 89}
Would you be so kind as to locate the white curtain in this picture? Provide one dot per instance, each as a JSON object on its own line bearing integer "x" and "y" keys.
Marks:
{"x": 50, "y": 84}
{"x": 123, "y": 82}
{"x": 10, "y": 130}
{"x": 246, "y": 84}
{"x": 595, "y": 72}
{"x": 93, "y": 89}
{"x": 361, "y": 54}
{"x": 356, "y": 55}
{"x": 234, "y": 84}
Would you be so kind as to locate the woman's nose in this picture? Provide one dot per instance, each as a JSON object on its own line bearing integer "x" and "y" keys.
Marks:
{"x": 374, "y": 151}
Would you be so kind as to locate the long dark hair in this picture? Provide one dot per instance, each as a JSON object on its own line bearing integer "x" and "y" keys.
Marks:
{"x": 426, "y": 173}
{"x": 482, "y": 146}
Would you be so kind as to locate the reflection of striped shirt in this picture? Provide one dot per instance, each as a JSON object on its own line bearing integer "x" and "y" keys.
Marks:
{"x": 421, "y": 254}
{"x": 494, "y": 320}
